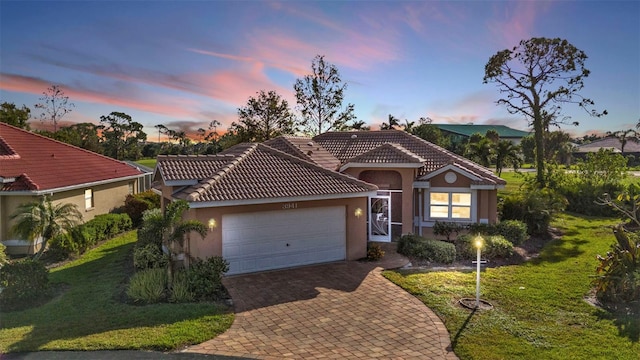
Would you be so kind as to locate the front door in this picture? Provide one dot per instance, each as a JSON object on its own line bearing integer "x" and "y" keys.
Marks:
{"x": 380, "y": 218}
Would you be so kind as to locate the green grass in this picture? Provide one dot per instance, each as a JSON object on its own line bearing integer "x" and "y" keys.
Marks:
{"x": 90, "y": 316}
{"x": 540, "y": 311}
{"x": 150, "y": 163}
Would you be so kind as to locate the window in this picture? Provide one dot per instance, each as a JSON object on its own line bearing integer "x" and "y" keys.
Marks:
{"x": 450, "y": 205}
{"x": 88, "y": 199}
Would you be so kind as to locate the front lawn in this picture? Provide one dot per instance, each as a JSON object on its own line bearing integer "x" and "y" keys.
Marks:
{"x": 540, "y": 311}
{"x": 89, "y": 314}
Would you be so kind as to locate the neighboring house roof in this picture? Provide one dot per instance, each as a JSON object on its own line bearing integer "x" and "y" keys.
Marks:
{"x": 609, "y": 143}
{"x": 348, "y": 146}
{"x": 304, "y": 148}
{"x": 31, "y": 162}
{"x": 468, "y": 130}
{"x": 388, "y": 153}
{"x": 256, "y": 173}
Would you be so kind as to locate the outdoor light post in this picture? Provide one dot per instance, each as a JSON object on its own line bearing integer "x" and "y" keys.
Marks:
{"x": 478, "y": 243}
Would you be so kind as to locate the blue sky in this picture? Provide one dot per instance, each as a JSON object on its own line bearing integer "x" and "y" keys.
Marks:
{"x": 184, "y": 64}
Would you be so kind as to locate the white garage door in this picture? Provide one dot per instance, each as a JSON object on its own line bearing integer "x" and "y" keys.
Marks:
{"x": 279, "y": 239}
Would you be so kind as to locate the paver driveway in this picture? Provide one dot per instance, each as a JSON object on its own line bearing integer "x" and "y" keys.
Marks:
{"x": 343, "y": 310}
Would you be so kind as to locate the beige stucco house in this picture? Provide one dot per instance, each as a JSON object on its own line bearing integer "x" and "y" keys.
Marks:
{"x": 295, "y": 201}
{"x": 32, "y": 166}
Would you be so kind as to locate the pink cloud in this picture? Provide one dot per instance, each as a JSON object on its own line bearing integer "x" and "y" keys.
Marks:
{"x": 515, "y": 21}
{"x": 160, "y": 105}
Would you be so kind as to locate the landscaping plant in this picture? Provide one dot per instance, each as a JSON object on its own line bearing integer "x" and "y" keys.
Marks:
{"x": 23, "y": 284}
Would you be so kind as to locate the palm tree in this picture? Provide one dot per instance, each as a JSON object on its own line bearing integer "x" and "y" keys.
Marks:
{"x": 43, "y": 219}
{"x": 480, "y": 151}
{"x": 173, "y": 229}
{"x": 391, "y": 125}
{"x": 506, "y": 153}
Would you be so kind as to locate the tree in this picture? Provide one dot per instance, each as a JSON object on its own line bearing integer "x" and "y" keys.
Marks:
{"x": 55, "y": 105}
{"x": 10, "y": 114}
{"x": 43, "y": 219}
{"x": 480, "y": 151}
{"x": 83, "y": 135}
{"x": 432, "y": 134}
{"x": 319, "y": 97}
{"x": 506, "y": 153}
{"x": 393, "y": 123}
{"x": 624, "y": 136}
{"x": 265, "y": 117}
{"x": 557, "y": 146}
{"x": 173, "y": 229}
{"x": 528, "y": 146}
{"x": 492, "y": 135}
{"x": 537, "y": 77}
{"x": 356, "y": 125}
{"x": 121, "y": 136}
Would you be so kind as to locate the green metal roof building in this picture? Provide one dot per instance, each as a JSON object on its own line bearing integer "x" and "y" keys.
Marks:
{"x": 465, "y": 131}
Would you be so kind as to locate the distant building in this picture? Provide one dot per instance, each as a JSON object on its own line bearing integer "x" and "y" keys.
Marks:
{"x": 459, "y": 133}
{"x": 631, "y": 148}
{"x": 32, "y": 166}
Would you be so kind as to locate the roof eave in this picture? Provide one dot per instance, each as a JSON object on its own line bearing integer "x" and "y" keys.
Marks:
{"x": 380, "y": 165}
{"x": 70, "y": 187}
{"x": 208, "y": 204}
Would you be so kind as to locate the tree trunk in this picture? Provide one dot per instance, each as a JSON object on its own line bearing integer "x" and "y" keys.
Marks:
{"x": 538, "y": 130}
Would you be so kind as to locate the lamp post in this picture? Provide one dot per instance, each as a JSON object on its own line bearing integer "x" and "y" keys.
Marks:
{"x": 478, "y": 244}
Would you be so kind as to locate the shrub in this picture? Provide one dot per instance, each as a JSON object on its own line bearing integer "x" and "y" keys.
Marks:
{"x": 180, "y": 292}
{"x": 618, "y": 274}
{"x": 513, "y": 230}
{"x": 426, "y": 249}
{"x": 205, "y": 277}
{"x": 535, "y": 207}
{"x": 482, "y": 229}
{"x": 149, "y": 256}
{"x": 148, "y": 286}
{"x": 495, "y": 246}
{"x": 24, "y": 283}
{"x": 444, "y": 228}
{"x": 374, "y": 252}
{"x": 136, "y": 205}
{"x": 3, "y": 254}
{"x": 149, "y": 233}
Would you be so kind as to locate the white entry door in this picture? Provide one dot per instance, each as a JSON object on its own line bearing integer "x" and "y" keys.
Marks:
{"x": 380, "y": 218}
{"x": 279, "y": 239}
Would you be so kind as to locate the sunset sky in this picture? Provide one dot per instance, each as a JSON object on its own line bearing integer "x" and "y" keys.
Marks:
{"x": 184, "y": 64}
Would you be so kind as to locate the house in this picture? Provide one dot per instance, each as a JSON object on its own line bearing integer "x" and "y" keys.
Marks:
{"x": 294, "y": 201}
{"x": 459, "y": 133}
{"x": 32, "y": 166}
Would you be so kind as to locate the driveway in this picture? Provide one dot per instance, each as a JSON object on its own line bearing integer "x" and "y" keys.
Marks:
{"x": 344, "y": 310}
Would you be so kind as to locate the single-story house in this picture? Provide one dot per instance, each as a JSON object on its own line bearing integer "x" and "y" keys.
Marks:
{"x": 294, "y": 201}
{"x": 32, "y": 166}
{"x": 462, "y": 132}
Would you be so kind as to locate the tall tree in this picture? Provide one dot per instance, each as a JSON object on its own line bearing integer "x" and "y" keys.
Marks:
{"x": 54, "y": 105}
{"x": 480, "y": 151}
{"x": 266, "y": 116}
{"x": 537, "y": 77}
{"x": 356, "y": 125}
{"x": 121, "y": 136}
{"x": 319, "y": 97}
{"x": 43, "y": 219}
{"x": 10, "y": 114}
{"x": 432, "y": 134}
{"x": 391, "y": 124}
{"x": 83, "y": 135}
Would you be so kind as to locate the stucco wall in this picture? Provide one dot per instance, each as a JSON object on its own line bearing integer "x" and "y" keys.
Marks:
{"x": 105, "y": 198}
{"x": 211, "y": 245}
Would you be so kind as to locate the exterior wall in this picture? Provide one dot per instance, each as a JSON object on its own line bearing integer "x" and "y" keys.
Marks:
{"x": 211, "y": 245}
{"x": 105, "y": 198}
{"x": 408, "y": 176}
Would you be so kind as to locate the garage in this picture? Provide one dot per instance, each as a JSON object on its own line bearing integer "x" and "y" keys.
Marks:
{"x": 270, "y": 240}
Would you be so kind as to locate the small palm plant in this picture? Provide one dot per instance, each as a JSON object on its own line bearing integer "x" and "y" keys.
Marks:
{"x": 44, "y": 219}
{"x": 618, "y": 274}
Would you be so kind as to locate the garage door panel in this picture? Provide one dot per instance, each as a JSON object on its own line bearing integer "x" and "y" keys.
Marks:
{"x": 258, "y": 241}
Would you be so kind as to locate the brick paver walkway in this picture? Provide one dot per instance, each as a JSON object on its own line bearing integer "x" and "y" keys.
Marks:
{"x": 344, "y": 310}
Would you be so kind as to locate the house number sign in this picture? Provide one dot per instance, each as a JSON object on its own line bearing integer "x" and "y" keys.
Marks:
{"x": 288, "y": 206}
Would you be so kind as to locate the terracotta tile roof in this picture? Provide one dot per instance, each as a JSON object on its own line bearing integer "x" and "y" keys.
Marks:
{"x": 388, "y": 153}
{"x": 348, "y": 145}
{"x": 40, "y": 163}
{"x": 193, "y": 167}
{"x": 305, "y": 148}
{"x": 261, "y": 172}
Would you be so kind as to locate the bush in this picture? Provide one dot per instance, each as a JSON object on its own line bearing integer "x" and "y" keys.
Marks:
{"x": 3, "y": 254}
{"x": 24, "y": 284}
{"x": 149, "y": 233}
{"x": 482, "y": 229}
{"x": 205, "y": 277}
{"x": 426, "y": 249}
{"x": 136, "y": 205}
{"x": 618, "y": 274}
{"x": 513, "y": 230}
{"x": 148, "y": 286}
{"x": 495, "y": 246}
{"x": 180, "y": 292}
{"x": 149, "y": 256}
{"x": 374, "y": 252}
{"x": 444, "y": 228}
{"x": 535, "y": 207}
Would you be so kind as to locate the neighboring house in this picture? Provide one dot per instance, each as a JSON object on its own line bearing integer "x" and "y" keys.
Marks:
{"x": 32, "y": 166}
{"x": 294, "y": 201}
{"x": 611, "y": 143}
{"x": 459, "y": 133}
